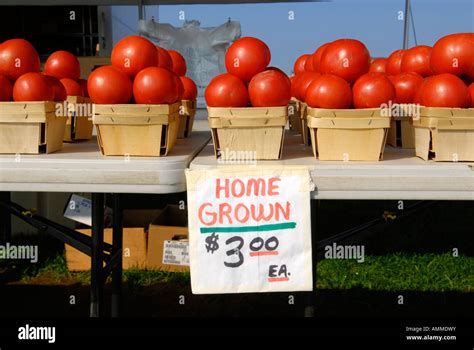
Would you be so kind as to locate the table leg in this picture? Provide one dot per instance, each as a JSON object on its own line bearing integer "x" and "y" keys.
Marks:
{"x": 5, "y": 220}
{"x": 311, "y": 296}
{"x": 97, "y": 258}
{"x": 117, "y": 249}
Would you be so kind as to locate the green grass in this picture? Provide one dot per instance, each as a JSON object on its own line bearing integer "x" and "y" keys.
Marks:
{"x": 55, "y": 269}
{"x": 393, "y": 272}
{"x": 396, "y": 272}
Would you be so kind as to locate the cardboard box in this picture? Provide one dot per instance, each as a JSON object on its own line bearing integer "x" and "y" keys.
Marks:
{"x": 168, "y": 241}
{"x": 250, "y": 132}
{"x": 348, "y": 134}
{"x": 135, "y": 225}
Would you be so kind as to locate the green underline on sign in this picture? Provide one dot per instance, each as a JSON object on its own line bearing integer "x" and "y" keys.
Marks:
{"x": 269, "y": 227}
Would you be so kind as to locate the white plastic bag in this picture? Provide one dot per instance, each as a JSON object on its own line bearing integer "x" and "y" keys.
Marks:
{"x": 203, "y": 48}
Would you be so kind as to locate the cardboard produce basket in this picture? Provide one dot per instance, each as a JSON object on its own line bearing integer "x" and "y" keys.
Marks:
{"x": 136, "y": 130}
{"x": 187, "y": 111}
{"x": 257, "y": 132}
{"x": 79, "y": 125}
{"x": 401, "y": 132}
{"x": 31, "y": 127}
{"x": 347, "y": 134}
{"x": 305, "y": 134}
{"x": 294, "y": 115}
{"x": 445, "y": 134}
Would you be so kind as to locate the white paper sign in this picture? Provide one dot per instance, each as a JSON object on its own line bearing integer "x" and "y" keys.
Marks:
{"x": 249, "y": 230}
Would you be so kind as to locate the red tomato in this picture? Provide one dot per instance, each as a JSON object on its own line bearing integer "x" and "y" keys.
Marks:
{"x": 179, "y": 88}
{"x": 372, "y": 90}
{"x": 394, "y": 63}
{"x": 471, "y": 92}
{"x": 270, "y": 88}
{"x": 454, "y": 54}
{"x": 299, "y": 65}
{"x": 406, "y": 86}
{"x": 164, "y": 58}
{"x": 134, "y": 53}
{"x": 302, "y": 83}
{"x": 329, "y": 91}
{"x": 72, "y": 87}
{"x": 308, "y": 65}
{"x": 17, "y": 57}
{"x": 32, "y": 87}
{"x": 109, "y": 85}
{"x": 417, "y": 59}
{"x": 226, "y": 90}
{"x": 83, "y": 84}
{"x": 60, "y": 93}
{"x": 246, "y": 57}
{"x": 62, "y": 64}
{"x": 444, "y": 90}
{"x": 190, "y": 88}
{"x": 316, "y": 57}
{"x": 346, "y": 58}
{"x": 155, "y": 85}
{"x": 178, "y": 62}
{"x": 378, "y": 65}
{"x": 293, "y": 82}
{"x": 6, "y": 89}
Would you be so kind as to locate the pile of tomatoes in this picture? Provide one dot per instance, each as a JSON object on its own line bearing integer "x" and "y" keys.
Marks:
{"x": 249, "y": 81}
{"x": 340, "y": 74}
{"x": 21, "y": 79}
{"x": 142, "y": 73}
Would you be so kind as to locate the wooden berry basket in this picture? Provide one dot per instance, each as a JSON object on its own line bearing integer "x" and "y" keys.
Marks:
{"x": 401, "y": 132}
{"x": 347, "y": 134}
{"x": 187, "y": 112}
{"x": 445, "y": 134}
{"x": 258, "y": 131}
{"x": 294, "y": 115}
{"x": 79, "y": 121}
{"x": 305, "y": 134}
{"x": 31, "y": 127}
{"x": 136, "y": 130}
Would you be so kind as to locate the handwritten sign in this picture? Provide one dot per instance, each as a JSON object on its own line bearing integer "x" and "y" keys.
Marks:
{"x": 249, "y": 230}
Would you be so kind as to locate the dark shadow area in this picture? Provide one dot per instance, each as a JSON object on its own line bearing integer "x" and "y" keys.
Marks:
{"x": 170, "y": 300}
{"x": 436, "y": 229}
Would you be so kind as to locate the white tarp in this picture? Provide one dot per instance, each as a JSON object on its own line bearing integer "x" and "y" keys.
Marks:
{"x": 203, "y": 48}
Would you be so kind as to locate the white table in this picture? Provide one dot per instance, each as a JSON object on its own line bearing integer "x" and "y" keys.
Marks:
{"x": 80, "y": 167}
{"x": 400, "y": 175}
